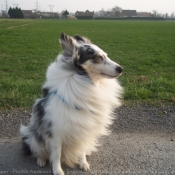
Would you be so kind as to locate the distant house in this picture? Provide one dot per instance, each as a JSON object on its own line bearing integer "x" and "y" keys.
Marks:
{"x": 31, "y": 14}
{"x": 48, "y": 15}
{"x": 107, "y": 14}
{"x": 144, "y": 14}
{"x": 84, "y": 15}
{"x": 27, "y": 13}
{"x": 129, "y": 13}
{"x": 5, "y": 14}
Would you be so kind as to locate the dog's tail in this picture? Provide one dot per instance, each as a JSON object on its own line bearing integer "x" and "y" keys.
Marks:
{"x": 24, "y": 131}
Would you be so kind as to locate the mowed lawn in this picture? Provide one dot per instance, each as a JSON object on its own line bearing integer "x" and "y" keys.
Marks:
{"x": 146, "y": 50}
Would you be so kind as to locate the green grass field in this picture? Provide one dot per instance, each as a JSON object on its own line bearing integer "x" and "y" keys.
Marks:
{"x": 146, "y": 50}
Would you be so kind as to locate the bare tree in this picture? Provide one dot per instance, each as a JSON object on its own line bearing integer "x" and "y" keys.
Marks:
{"x": 160, "y": 14}
{"x": 110, "y": 13}
{"x": 155, "y": 13}
{"x": 97, "y": 14}
{"x": 166, "y": 15}
{"x": 116, "y": 8}
{"x": 163, "y": 15}
{"x": 103, "y": 13}
{"x": 172, "y": 15}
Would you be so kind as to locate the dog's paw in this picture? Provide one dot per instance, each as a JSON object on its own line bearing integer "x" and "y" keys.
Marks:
{"x": 41, "y": 162}
{"x": 59, "y": 172}
{"x": 84, "y": 166}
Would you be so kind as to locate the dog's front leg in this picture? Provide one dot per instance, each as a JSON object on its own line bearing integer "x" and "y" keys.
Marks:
{"x": 55, "y": 158}
{"x": 83, "y": 163}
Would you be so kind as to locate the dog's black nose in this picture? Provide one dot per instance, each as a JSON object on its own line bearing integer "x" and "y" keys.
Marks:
{"x": 119, "y": 69}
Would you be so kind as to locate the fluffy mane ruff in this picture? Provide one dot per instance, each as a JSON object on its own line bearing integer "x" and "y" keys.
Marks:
{"x": 80, "y": 129}
{"x": 78, "y": 109}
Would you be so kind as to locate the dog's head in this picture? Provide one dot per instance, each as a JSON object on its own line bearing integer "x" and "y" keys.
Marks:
{"x": 88, "y": 58}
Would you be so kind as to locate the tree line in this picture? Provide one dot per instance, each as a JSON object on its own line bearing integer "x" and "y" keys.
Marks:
{"x": 15, "y": 13}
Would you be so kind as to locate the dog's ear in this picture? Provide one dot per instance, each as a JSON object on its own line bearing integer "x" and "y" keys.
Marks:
{"x": 82, "y": 39}
{"x": 69, "y": 45}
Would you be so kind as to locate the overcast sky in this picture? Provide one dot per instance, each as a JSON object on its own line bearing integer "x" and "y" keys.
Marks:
{"x": 162, "y": 6}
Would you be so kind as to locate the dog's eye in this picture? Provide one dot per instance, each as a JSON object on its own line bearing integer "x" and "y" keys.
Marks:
{"x": 98, "y": 59}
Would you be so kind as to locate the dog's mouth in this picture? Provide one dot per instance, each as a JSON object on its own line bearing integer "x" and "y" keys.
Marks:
{"x": 109, "y": 76}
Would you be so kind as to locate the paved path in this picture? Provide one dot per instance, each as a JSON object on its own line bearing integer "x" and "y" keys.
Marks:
{"x": 142, "y": 142}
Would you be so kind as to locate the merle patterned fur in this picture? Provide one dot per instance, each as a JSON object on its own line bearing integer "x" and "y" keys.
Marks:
{"x": 41, "y": 127}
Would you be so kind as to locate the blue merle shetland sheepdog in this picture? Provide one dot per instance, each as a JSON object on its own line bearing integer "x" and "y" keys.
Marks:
{"x": 79, "y": 96}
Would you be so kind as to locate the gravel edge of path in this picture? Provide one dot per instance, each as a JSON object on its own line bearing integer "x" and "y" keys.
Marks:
{"x": 128, "y": 119}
